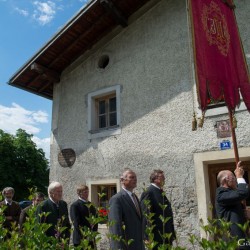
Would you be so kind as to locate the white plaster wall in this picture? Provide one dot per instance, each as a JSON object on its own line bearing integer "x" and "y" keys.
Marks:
{"x": 150, "y": 59}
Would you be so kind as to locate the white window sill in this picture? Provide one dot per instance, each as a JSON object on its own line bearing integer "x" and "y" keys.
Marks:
{"x": 104, "y": 133}
{"x": 220, "y": 111}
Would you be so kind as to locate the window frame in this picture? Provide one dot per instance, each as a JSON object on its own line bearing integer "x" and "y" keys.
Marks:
{"x": 214, "y": 109}
{"x": 107, "y": 113}
{"x": 93, "y": 130}
{"x": 95, "y": 184}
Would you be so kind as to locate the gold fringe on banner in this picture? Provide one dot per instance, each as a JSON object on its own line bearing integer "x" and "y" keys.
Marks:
{"x": 201, "y": 120}
{"x": 234, "y": 121}
{"x": 194, "y": 122}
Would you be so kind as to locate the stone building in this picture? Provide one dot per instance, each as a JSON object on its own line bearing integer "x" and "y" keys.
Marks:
{"x": 120, "y": 75}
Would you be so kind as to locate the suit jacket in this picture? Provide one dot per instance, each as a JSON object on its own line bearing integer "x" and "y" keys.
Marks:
{"x": 23, "y": 216}
{"x": 123, "y": 213}
{"x": 56, "y": 214}
{"x": 13, "y": 210}
{"x": 79, "y": 213}
{"x": 156, "y": 198}
{"x": 228, "y": 206}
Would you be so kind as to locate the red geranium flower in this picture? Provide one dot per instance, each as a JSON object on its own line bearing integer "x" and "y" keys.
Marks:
{"x": 103, "y": 212}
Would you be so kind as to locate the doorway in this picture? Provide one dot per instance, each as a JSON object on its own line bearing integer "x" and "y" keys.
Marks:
{"x": 203, "y": 161}
{"x": 214, "y": 169}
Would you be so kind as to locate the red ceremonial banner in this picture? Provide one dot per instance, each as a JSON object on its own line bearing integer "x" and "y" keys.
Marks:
{"x": 221, "y": 69}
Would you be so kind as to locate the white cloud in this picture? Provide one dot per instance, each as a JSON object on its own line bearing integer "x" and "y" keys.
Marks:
{"x": 15, "y": 117}
{"x": 40, "y": 116}
{"x": 22, "y": 12}
{"x": 44, "y": 144}
{"x": 44, "y": 11}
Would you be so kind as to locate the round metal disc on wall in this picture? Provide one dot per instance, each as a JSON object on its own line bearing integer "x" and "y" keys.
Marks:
{"x": 67, "y": 157}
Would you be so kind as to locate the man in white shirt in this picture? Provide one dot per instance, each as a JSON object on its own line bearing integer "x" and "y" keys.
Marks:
{"x": 232, "y": 190}
{"x": 80, "y": 211}
{"x": 125, "y": 215}
{"x": 12, "y": 209}
{"x": 56, "y": 210}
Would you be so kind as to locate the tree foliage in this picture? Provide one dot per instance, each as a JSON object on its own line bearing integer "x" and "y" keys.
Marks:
{"x": 22, "y": 164}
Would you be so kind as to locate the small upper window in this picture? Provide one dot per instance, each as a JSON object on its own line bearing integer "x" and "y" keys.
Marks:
{"x": 104, "y": 112}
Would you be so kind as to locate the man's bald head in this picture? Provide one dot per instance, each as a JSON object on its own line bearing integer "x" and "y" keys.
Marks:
{"x": 226, "y": 179}
{"x": 222, "y": 175}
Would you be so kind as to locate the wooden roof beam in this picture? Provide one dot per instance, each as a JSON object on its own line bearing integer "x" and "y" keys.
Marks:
{"x": 117, "y": 14}
{"x": 52, "y": 75}
{"x": 45, "y": 86}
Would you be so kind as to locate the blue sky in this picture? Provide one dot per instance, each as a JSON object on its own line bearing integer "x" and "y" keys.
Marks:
{"x": 26, "y": 25}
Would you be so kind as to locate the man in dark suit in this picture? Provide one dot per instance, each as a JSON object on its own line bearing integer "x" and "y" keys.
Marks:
{"x": 152, "y": 201}
{"x": 125, "y": 215}
{"x": 12, "y": 209}
{"x": 229, "y": 195}
{"x": 37, "y": 199}
{"x": 58, "y": 212}
{"x": 80, "y": 210}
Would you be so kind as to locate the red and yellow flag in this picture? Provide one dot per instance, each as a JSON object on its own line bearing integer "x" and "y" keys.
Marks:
{"x": 221, "y": 68}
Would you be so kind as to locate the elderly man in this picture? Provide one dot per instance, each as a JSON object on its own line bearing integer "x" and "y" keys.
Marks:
{"x": 57, "y": 210}
{"x": 125, "y": 215}
{"x": 159, "y": 205}
{"x": 37, "y": 199}
{"x": 12, "y": 209}
{"x": 229, "y": 195}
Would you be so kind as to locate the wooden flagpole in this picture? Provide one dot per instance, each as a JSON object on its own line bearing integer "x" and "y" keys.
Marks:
{"x": 236, "y": 153}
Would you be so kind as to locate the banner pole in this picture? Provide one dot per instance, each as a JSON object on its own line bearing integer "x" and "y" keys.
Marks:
{"x": 236, "y": 153}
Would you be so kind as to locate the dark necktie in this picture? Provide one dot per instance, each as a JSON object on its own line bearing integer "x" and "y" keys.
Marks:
{"x": 57, "y": 210}
{"x": 136, "y": 204}
{"x": 8, "y": 210}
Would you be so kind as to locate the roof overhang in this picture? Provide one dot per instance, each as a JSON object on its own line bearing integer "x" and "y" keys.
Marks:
{"x": 85, "y": 29}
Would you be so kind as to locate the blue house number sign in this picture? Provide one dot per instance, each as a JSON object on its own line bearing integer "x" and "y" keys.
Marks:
{"x": 225, "y": 145}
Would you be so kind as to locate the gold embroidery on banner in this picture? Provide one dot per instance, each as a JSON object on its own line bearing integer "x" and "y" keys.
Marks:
{"x": 215, "y": 26}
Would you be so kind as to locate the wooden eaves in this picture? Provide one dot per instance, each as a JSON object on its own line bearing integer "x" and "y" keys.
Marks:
{"x": 86, "y": 28}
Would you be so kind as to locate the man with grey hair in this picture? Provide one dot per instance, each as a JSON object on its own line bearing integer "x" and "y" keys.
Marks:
{"x": 232, "y": 190}
{"x": 125, "y": 215}
{"x": 57, "y": 210}
{"x": 12, "y": 209}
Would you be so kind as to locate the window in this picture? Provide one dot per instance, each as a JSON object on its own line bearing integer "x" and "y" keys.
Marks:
{"x": 101, "y": 191}
{"x": 106, "y": 192}
{"x": 214, "y": 109}
{"x": 104, "y": 112}
{"x": 219, "y": 103}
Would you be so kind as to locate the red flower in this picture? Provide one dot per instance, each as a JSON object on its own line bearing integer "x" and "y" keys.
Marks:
{"x": 103, "y": 212}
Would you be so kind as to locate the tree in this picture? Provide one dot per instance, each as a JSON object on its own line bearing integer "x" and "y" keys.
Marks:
{"x": 22, "y": 164}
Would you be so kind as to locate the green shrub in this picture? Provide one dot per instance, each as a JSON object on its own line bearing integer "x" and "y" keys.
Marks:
{"x": 33, "y": 237}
